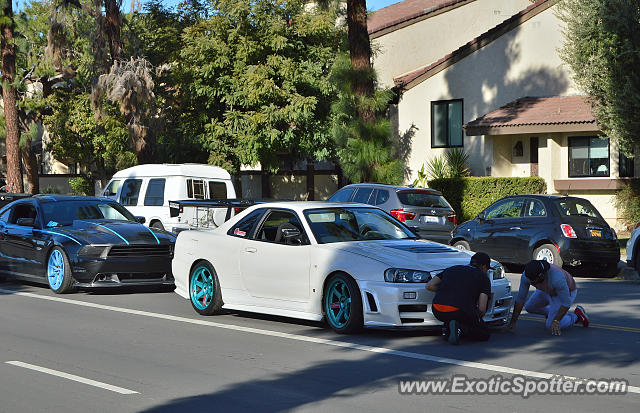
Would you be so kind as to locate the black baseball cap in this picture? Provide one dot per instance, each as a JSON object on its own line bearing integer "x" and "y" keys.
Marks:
{"x": 481, "y": 258}
{"x": 534, "y": 268}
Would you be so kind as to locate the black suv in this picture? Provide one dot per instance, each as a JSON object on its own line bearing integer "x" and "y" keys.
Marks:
{"x": 559, "y": 229}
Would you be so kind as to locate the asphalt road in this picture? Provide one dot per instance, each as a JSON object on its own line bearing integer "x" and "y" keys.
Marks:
{"x": 150, "y": 352}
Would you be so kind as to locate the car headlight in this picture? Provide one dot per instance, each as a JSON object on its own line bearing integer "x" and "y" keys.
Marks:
{"x": 496, "y": 273}
{"x": 92, "y": 250}
{"x": 401, "y": 275}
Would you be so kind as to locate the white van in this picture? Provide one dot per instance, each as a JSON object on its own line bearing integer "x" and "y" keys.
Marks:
{"x": 146, "y": 190}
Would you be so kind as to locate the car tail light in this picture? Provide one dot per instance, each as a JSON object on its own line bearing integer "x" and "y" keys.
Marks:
{"x": 453, "y": 218}
{"x": 402, "y": 215}
{"x": 236, "y": 210}
{"x": 567, "y": 231}
{"x": 637, "y": 225}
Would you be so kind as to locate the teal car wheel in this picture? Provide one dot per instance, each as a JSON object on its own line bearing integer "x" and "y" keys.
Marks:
{"x": 342, "y": 304}
{"x": 204, "y": 289}
{"x": 59, "y": 271}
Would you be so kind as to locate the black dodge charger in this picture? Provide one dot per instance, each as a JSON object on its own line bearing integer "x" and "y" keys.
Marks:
{"x": 77, "y": 241}
{"x": 560, "y": 229}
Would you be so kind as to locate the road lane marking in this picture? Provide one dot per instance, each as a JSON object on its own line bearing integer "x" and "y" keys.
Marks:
{"x": 316, "y": 340}
{"x": 591, "y": 325}
{"x": 73, "y": 377}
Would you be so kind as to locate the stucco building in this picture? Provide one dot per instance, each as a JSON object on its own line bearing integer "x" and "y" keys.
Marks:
{"x": 500, "y": 91}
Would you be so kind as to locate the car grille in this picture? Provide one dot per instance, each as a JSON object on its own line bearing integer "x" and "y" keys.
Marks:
{"x": 131, "y": 251}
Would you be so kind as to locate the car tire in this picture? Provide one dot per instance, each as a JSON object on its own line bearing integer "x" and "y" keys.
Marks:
{"x": 342, "y": 305}
{"x": 548, "y": 252}
{"x": 58, "y": 272}
{"x": 204, "y": 289}
{"x": 462, "y": 245}
{"x": 157, "y": 225}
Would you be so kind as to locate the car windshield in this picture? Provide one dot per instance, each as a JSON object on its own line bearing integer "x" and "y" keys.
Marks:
{"x": 421, "y": 198}
{"x": 354, "y": 224}
{"x": 576, "y": 207}
{"x": 65, "y": 212}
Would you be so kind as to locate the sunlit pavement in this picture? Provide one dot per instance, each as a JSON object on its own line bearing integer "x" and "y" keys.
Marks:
{"x": 149, "y": 351}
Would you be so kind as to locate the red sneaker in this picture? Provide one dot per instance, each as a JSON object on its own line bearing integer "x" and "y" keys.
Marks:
{"x": 582, "y": 316}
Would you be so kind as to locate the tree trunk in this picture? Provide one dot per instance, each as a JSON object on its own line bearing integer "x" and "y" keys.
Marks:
{"x": 14, "y": 173}
{"x": 360, "y": 54}
{"x": 112, "y": 24}
{"x": 31, "y": 165}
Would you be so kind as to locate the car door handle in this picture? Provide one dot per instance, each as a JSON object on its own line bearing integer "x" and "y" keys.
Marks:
{"x": 515, "y": 228}
{"x": 251, "y": 250}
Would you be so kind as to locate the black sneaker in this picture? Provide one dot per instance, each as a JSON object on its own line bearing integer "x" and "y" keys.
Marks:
{"x": 454, "y": 332}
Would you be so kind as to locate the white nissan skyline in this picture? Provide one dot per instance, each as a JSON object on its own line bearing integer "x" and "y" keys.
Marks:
{"x": 350, "y": 264}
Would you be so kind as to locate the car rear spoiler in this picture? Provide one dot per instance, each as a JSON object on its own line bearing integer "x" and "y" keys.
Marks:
{"x": 236, "y": 205}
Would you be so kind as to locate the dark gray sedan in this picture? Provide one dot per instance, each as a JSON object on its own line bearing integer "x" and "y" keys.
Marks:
{"x": 423, "y": 209}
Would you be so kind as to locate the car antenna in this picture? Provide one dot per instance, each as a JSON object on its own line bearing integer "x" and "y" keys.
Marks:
{"x": 568, "y": 189}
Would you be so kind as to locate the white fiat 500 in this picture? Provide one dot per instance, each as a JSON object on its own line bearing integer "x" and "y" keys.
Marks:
{"x": 353, "y": 265}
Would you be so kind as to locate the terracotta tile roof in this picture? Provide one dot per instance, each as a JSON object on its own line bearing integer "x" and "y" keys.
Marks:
{"x": 538, "y": 111}
{"x": 405, "y": 10}
{"x": 411, "y": 79}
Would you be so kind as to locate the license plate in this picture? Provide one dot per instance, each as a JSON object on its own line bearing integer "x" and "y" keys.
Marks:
{"x": 596, "y": 233}
{"x": 428, "y": 219}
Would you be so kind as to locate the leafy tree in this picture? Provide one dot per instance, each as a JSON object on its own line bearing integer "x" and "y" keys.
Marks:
{"x": 602, "y": 47}
{"x": 255, "y": 79}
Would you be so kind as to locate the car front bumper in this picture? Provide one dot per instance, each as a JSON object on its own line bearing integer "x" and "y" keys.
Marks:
{"x": 409, "y": 305}
{"x": 129, "y": 271}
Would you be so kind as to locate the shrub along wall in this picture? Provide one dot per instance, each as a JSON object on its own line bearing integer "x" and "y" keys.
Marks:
{"x": 627, "y": 202}
{"x": 469, "y": 196}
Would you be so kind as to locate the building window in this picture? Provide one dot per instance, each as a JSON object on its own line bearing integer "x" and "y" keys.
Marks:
{"x": 446, "y": 123}
{"x": 588, "y": 156}
{"x": 626, "y": 166}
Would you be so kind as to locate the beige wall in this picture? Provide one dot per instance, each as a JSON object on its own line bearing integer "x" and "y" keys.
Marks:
{"x": 523, "y": 62}
{"x": 426, "y": 41}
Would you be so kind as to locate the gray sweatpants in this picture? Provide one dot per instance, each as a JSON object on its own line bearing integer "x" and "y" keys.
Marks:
{"x": 544, "y": 304}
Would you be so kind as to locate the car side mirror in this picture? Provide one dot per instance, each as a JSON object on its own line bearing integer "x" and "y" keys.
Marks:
{"x": 141, "y": 220}
{"x": 481, "y": 217}
{"x": 414, "y": 231}
{"x": 25, "y": 222}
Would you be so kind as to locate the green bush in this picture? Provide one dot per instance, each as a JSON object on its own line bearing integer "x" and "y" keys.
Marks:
{"x": 468, "y": 196}
{"x": 81, "y": 186}
{"x": 627, "y": 202}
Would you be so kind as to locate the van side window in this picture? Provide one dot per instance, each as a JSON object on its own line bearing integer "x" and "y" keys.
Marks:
{"x": 195, "y": 188}
{"x": 130, "y": 192}
{"x": 112, "y": 188}
{"x": 155, "y": 192}
{"x": 217, "y": 190}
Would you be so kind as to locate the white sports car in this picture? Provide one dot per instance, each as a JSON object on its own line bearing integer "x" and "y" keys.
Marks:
{"x": 352, "y": 264}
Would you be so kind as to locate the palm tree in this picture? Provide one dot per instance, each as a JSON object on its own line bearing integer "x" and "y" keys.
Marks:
{"x": 7, "y": 24}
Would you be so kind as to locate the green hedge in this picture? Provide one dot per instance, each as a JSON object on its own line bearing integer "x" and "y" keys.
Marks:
{"x": 469, "y": 196}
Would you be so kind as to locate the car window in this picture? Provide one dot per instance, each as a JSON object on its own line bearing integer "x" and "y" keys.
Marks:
{"x": 130, "y": 192}
{"x": 244, "y": 227}
{"x": 510, "y": 208}
{"x": 217, "y": 190}
{"x": 62, "y": 213}
{"x": 273, "y": 228}
{"x": 112, "y": 188}
{"x": 383, "y": 196}
{"x": 4, "y": 216}
{"x": 534, "y": 208}
{"x": 422, "y": 198}
{"x": 24, "y": 210}
{"x": 195, "y": 188}
{"x": 354, "y": 224}
{"x": 344, "y": 195}
{"x": 155, "y": 192}
{"x": 362, "y": 195}
{"x": 577, "y": 207}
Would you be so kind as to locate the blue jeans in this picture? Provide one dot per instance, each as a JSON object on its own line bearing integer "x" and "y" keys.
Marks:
{"x": 546, "y": 305}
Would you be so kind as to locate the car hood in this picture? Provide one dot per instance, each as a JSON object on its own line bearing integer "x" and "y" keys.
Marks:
{"x": 411, "y": 254}
{"x": 113, "y": 232}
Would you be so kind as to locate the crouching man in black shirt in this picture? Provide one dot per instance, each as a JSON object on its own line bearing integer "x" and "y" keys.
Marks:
{"x": 462, "y": 294}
